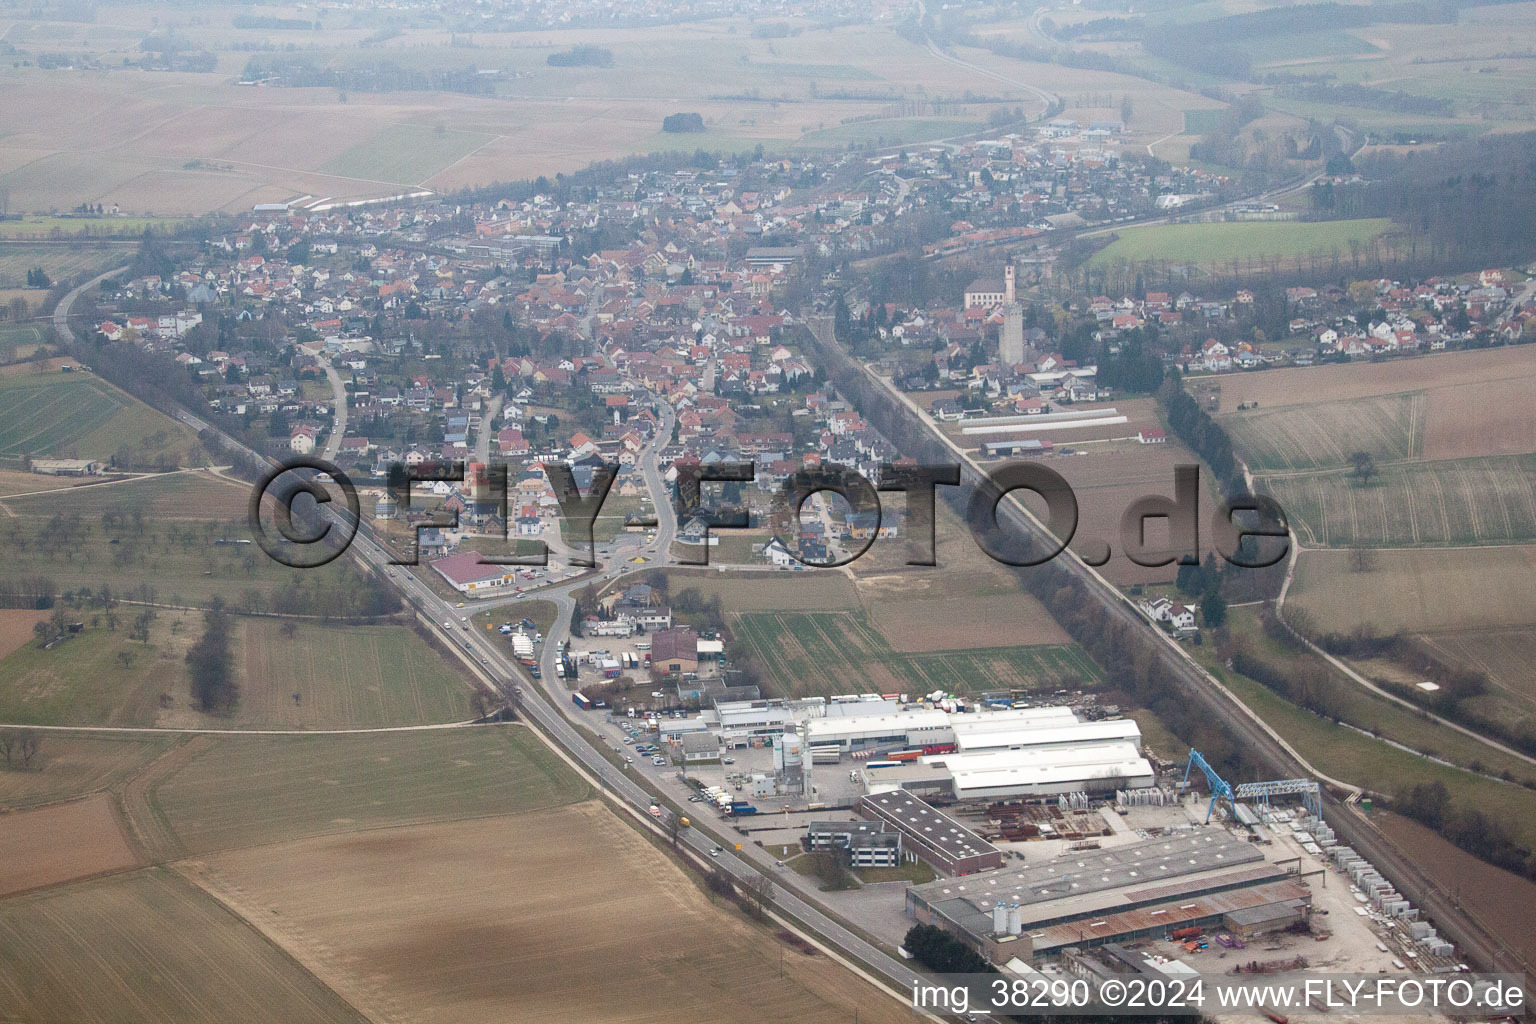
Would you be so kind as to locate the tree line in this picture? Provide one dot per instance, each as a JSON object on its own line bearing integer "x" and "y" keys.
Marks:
{"x": 210, "y": 665}
{"x": 1475, "y": 200}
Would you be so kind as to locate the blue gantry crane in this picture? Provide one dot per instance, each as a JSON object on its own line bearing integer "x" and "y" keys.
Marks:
{"x": 1308, "y": 789}
{"x": 1219, "y": 788}
{"x": 1311, "y": 794}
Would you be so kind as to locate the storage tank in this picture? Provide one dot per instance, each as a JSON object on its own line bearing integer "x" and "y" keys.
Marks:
{"x": 1015, "y": 921}
{"x": 1000, "y": 919}
{"x": 787, "y": 752}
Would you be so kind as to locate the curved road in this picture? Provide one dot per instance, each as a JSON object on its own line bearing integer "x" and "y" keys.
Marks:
{"x": 61, "y": 311}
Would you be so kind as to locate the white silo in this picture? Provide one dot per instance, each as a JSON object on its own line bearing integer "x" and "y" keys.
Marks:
{"x": 1015, "y": 920}
{"x": 1000, "y": 919}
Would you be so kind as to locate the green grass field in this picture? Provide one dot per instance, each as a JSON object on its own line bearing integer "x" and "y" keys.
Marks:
{"x": 58, "y": 261}
{"x": 1212, "y": 244}
{"x": 344, "y": 677}
{"x": 246, "y": 791}
{"x": 839, "y": 652}
{"x": 85, "y": 681}
{"x": 148, "y": 946}
{"x": 1202, "y": 120}
{"x": 1461, "y": 501}
{"x": 347, "y": 677}
{"x": 37, "y": 227}
{"x": 405, "y": 154}
{"x": 1305, "y": 46}
{"x": 76, "y": 415}
{"x": 179, "y": 565}
{"x": 1323, "y": 436}
{"x": 19, "y": 341}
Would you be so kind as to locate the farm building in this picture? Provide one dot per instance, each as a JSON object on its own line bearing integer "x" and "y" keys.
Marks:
{"x": 1139, "y": 891}
{"x": 674, "y": 652}
{"x": 66, "y": 467}
{"x": 1006, "y": 449}
{"x": 937, "y": 838}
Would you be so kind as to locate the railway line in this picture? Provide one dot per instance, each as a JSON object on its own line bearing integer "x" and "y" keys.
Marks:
{"x": 897, "y": 418}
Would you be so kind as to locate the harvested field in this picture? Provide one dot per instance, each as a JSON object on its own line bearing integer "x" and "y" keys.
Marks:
{"x": 1323, "y": 436}
{"x": 59, "y": 844}
{"x": 1419, "y": 590}
{"x": 1487, "y": 418}
{"x": 1502, "y": 901}
{"x": 16, "y": 627}
{"x": 1465, "y": 501}
{"x": 148, "y": 947}
{"x": 464, "y": 927}
{"x": 1106, "y": 484}
{"x": 1307, "y": 385}
{"x": 245, "y": 791}
{"x": 961, "y": 622}
{"x": 809, "y": 654}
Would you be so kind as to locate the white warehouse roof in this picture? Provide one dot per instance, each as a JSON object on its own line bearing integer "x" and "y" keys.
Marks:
{"x": 1018, "y": 718}
{"x": 969, "y": 737}
{"x": 855, "y": 727}
{"x": 971, "y": 783}
{"x": 1099, "y": 752}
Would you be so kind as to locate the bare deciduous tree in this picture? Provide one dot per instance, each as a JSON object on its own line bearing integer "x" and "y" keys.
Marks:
{"x": 759, "y": 893}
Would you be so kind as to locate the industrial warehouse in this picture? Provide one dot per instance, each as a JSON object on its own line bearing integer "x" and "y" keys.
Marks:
{"x": 982, "y": 756}
{"x": 1046, "y": 838}
{"x": 1151, "y": 888}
